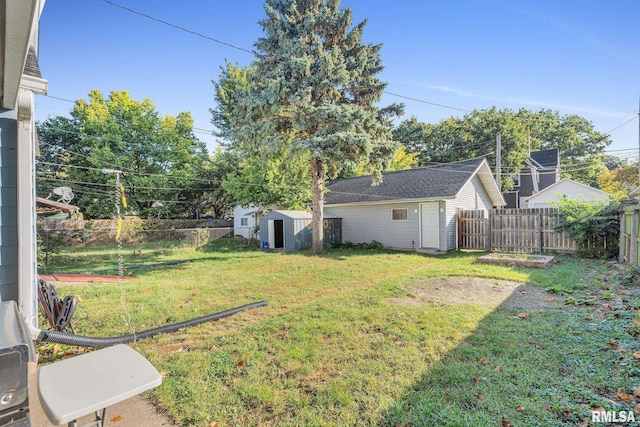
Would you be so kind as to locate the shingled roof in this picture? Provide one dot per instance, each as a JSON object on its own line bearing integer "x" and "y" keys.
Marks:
{"x": 546, "y": 158}
{"x": 439, "y": 181}
{"x": 31, "y": 66}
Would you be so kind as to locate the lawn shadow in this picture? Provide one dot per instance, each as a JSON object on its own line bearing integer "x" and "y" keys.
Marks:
{"x": 528, "y": 362}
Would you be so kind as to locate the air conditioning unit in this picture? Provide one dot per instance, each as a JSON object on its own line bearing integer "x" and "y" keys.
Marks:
{"x": 16, "y": 350}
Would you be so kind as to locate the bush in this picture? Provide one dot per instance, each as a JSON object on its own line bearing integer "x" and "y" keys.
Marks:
{"x": 595, "y": 227}
{"x": 373, "y": 245}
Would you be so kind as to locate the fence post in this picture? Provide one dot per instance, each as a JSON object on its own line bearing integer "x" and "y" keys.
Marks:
{"x": 540, "y": 224}
{"x": 622, "y": 245}
{"x": 490, "y": 230}
{"x": 633, "y": 252}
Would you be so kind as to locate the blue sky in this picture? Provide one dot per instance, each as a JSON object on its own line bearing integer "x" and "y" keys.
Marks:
{"x": 577, "y": 57}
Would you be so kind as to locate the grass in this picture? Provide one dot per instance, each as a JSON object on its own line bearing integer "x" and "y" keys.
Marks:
{"x": 332, "y": 348}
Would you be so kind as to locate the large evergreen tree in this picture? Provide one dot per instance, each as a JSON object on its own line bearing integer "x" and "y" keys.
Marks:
{"x": 312, "y": 95}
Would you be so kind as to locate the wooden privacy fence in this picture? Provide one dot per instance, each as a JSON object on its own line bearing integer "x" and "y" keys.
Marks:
{"x": 513, "y": 230}
{"x": 629, "y": 234}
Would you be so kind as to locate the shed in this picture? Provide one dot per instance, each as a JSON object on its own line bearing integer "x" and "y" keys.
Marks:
{"x": 286, "y": 230}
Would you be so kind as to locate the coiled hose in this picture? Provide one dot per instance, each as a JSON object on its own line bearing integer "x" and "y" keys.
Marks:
{"x": 82, "y": 341}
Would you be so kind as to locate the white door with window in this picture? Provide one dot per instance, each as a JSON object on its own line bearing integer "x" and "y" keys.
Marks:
{"x": 430, "y": 225}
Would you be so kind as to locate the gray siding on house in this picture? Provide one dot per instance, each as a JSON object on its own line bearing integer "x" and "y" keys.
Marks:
{"x": 8, "y": 207}
{"x": 364, "y": 223}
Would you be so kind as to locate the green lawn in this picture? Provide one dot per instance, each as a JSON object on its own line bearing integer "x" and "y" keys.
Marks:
{"x": 334, "y": 346}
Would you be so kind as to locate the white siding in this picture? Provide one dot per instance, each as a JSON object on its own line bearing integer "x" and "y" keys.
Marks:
{"x": 245, "y": 231}
{"x": 473, "y": 196}
{"x": 450, "y": 225}
{"x": 362, "y": 224}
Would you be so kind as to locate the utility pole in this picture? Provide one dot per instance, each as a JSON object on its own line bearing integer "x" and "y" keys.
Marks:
{"x": 499, "y": 162}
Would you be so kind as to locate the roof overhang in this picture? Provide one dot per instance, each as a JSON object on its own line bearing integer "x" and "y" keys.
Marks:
{"x": 488, "y": 181}
{"x": 17, "y": 19}
{"x": 391, "y": 201}
{"x": 49, "y": 206}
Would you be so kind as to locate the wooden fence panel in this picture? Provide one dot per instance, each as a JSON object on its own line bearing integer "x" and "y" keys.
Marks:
{"x": 473, "y": 230}
{"x": 513, "y": 230}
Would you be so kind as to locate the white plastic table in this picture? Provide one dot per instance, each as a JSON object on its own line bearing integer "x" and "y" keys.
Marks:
{"x": 91, "y": 382}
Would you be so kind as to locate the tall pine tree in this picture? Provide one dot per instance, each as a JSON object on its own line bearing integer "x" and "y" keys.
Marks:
{"x": 313, "y": 94}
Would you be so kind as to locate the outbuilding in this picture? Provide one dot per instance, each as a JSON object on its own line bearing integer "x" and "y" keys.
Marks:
{"x": 286, "y": 230}
{"x": 414, "y": 209}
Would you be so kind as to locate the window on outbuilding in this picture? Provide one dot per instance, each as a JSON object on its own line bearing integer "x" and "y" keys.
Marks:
{"x": 399, "y": 214}
{"x": 244, "y": 222}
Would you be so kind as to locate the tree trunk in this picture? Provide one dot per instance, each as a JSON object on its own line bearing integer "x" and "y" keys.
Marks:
{"x": 317, "y": 189}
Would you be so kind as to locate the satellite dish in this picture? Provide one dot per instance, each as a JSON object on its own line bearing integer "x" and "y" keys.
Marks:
{"x": 65, "y": 194}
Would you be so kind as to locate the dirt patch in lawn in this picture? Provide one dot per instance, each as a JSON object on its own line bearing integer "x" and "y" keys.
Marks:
{"x": 480, "y": 291}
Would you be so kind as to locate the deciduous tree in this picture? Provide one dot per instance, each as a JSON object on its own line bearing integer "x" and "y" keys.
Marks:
{"x": 158, "y": 155}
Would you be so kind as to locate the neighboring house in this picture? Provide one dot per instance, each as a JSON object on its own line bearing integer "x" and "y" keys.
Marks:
{"x": 20, "y": 79}
{"x": 50, "y": 209}
{"x": 286, "y": 230}
{"x": 414, "y": 209}
{"x": 566, "y": 188}
{"x": 542, "y": 169}
{"x": 635, "y": 192}
{"x": 245, "y": 220}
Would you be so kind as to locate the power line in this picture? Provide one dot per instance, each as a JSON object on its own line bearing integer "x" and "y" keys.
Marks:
{"x": 253, "y": 53}
{"x": 178, "y": 27}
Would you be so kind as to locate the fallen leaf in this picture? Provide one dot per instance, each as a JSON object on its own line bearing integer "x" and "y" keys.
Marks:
{"x": 566, "y": 410}
{"x": 240, "y": 363}
{"x": 547, "y": 407}
{"x": 476, "y": 379}
{"x": 480, "y": 397}
{"x": 636, "y": 355}
{"x": 524, "y": 316}
{"x": 116, "y": 419}
{"x": 627, "y": 398}
{"x": 636, "y": 391}
{"x": 511, "y": 345}
{"x": 483, "y": 360}
{"x": 636, "y": 322}
{"x": 636, "y": 408}
{"x": 623, "y": 292}
{"x": 622, "y": 350}
{"x": 506, "y": 423}
{"x": 193, "y": 294}
{"x": 163, "y": 374}
{"x": 214, "y": 424}
{"x": 613, "y": 344}
{"x": 498, "y": 369}
{"x": 519, "y": 408}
